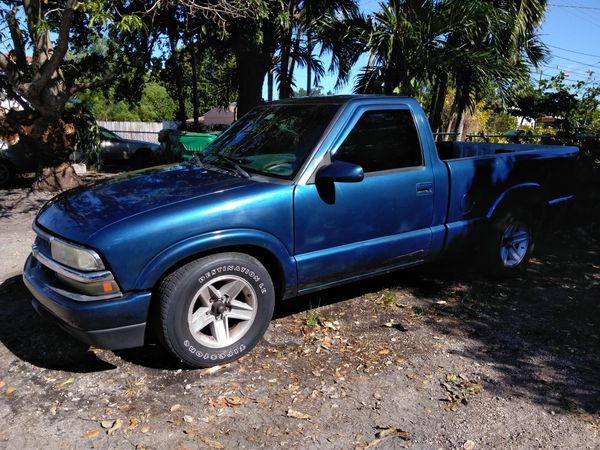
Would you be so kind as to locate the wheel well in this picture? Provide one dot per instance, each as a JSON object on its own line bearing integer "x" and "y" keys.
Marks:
{"x": 528, "y": 199}
{"x": 265, "y": 257}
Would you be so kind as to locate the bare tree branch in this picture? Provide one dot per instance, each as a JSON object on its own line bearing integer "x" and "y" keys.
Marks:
{"x": 62, "y": 45}
{"x": 4, "y": 62}
{"x": 92, "y": 84}
{"x": 17, "y": 38}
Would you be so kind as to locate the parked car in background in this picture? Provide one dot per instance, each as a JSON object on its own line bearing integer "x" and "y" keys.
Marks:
{"x": 114, "y": 149}
{"x": 118, "y": 150}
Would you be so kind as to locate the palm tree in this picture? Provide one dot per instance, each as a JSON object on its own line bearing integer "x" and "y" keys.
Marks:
{"x": 509, "y": 48}
{"x": 328, "y": 24}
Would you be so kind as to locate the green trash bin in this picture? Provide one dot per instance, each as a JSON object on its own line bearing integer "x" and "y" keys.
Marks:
{"x": 183, "y": 145}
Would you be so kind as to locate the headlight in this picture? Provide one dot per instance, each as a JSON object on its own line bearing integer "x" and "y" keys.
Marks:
{"x": 76, "y": 257}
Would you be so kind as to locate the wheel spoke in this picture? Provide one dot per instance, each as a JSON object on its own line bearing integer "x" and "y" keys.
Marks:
{"x": 208, "y": 293}
{"x": 517, "y": 238}
{"x": 232, "y": 289}
{"x": 201, "y": 319}
{"x": 240, "y": 310}
{"x": 220, "y": 331}
{"x": 514, "y": 255}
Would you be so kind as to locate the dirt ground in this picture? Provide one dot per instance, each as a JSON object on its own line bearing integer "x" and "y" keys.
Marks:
{"x": 427, "y": 358}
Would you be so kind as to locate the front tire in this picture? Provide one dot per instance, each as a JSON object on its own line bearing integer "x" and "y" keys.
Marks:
{"x": 512, "y": 242}
{"x": 216, "y": 309}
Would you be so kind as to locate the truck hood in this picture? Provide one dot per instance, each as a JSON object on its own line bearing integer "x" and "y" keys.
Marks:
{"x": 79, "y": 213}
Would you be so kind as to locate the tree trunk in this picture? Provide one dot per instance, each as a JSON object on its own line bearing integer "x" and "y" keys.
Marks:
{"x": 437, "y": 104}
{"x": 270, "y": 85}
{"x": 461, "y": 107}
{"x": 250, "y": 82}
{"x": 285, "y": 80}
{"x": 195, "y": 99}
{"x": 181, "y": 115}
{"x": 56, "y": 178}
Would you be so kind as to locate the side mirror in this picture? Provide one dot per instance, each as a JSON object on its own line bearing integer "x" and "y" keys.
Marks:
{"x": 340, "y": 171}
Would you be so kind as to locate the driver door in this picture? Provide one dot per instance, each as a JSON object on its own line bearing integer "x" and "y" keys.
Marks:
{"x": 348, "y": 230}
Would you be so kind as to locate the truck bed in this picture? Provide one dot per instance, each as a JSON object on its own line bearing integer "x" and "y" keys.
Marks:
{"x": 482, "y": 175}
{"x": 458, "y": 149}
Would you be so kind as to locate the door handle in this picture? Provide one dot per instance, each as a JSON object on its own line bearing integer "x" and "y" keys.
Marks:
{"x": 425, "y": 188}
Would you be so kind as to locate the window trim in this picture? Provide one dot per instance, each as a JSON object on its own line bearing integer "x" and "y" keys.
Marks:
{"x": 357, "y": 115}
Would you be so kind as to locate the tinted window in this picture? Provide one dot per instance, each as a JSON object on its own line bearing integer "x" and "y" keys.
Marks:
{"x": 274, "y": 139}
{"x": 382, "y": 140}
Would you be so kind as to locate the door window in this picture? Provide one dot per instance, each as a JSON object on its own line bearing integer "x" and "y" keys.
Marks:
{"x": 382, "y": 140}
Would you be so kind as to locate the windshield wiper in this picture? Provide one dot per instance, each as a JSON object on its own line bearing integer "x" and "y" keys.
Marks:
{"x": 231, "y": 163}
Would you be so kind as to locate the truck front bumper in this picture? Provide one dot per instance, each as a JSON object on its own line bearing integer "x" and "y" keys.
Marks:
{"x": 112, "y": 324}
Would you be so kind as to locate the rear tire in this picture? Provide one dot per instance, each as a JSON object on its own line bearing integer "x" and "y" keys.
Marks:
{"x": 511, "y": 243}
{"x": 216, "y": 309}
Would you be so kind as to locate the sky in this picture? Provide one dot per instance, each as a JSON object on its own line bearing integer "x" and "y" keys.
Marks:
{"x": 571, "y": 31}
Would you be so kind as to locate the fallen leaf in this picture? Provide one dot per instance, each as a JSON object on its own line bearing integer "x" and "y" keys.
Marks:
{"x": 91, "y": 434}
{"x": 107, "y": 423}
{"x": 212, "y": 370}
{"x": 261, "y": 401}
{"x": 145, "y": 428}
{"x": 11, "y": 390}
{"x": 297, "y": 414}
{"x": 116, "y": 427}
{"x": 469, "y": 445}
{"x": 188, "y": 419}
{"x": 391, "y": 432}
{"x": 217, "y": 402}
{"x": 384, "y": 351}
{"x": 69, "y": 380}
{"x": 235, "y": 401}
{"x": 212, "y": 444}
{"x": 133, "y": 423}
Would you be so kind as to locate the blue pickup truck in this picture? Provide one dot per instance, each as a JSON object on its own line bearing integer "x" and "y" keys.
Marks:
{"x": 296, "y": 196}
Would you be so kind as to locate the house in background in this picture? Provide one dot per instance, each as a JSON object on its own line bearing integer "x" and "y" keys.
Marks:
{"x": 220, "y": 115}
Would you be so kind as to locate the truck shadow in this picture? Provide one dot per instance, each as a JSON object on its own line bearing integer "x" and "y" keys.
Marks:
{"x": 37, "y": 341}
{"x": 537, "y": 333}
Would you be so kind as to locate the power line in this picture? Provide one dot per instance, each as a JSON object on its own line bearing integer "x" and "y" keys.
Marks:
{"x": 577, "y": 62}
{"x": 573, "y": 51}
{"x": 595, "y": 8}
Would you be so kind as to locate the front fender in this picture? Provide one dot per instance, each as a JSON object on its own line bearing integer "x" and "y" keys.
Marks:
{"x": 173, "y": 255}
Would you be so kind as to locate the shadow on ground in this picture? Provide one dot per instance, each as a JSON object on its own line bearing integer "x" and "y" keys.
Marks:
{"x": 539, "y": 332}
{"x": 37, "y": 341}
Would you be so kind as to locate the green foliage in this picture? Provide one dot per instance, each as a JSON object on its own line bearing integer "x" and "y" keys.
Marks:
{"x": 216, "y": 78}
{"x": 315, "y": 92}
{"x": 575, "y": 105}
{"x": 155, "y": 105}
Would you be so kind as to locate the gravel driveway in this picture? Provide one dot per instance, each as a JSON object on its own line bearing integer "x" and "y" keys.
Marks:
{"x": 427, "y": 358}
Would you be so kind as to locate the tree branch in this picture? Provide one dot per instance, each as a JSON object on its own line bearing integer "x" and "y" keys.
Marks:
{"x": 92, "y": 84}
{"x": 60, "y": 50}
{"x": 17, "y": 38}
{"x": 4, "y": 61}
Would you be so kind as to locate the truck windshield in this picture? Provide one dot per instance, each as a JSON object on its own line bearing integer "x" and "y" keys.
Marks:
{"x": 272, "y": 140}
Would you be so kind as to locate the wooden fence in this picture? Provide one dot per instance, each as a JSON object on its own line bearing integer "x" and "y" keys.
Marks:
{"x": 141, "y": 131}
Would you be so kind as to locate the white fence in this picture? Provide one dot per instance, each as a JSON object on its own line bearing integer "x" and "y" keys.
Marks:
{"x": 141, "y": 131}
